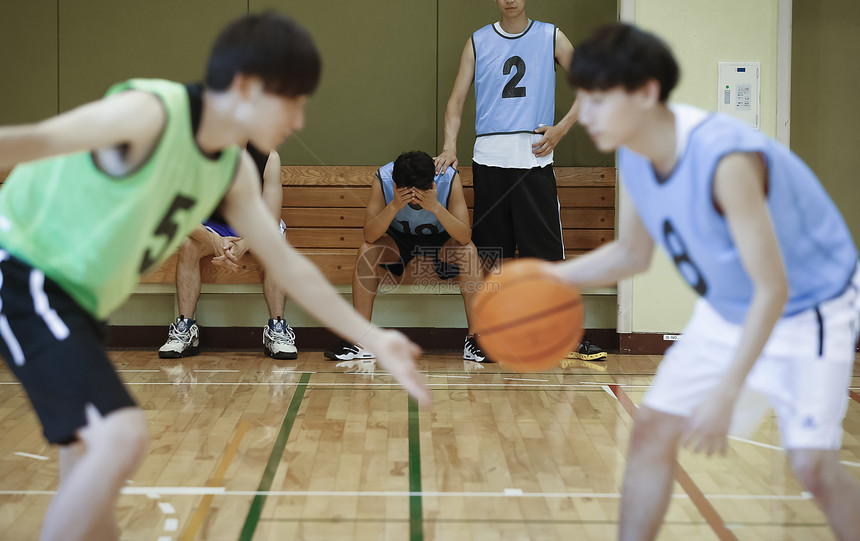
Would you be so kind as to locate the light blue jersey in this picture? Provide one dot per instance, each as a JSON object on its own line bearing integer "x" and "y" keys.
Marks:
{"x": 416, "y": 221}
{"x": 514, "y": 79}
{"x": 680, "y": 214}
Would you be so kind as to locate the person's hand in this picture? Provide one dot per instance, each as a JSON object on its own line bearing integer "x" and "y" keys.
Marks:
{"x": 397, "y": 354}
{"x": 220, "y": 246}
{"x": 234, "y": 253}
{"x": 428, "y": 199}
{"x": 445, "y": 159}
{"x": 402, "y": 197}
{"x": 706, "y": 431}
{"x": 551, "y": 136}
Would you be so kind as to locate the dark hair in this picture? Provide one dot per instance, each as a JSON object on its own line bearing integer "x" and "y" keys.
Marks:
{"x": 271, "y": 46}
{"x": 414, "y": 169}
{"x": 621, "y": 54}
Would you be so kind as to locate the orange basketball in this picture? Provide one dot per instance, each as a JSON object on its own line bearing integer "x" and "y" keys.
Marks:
{"x": 527, "y": 319}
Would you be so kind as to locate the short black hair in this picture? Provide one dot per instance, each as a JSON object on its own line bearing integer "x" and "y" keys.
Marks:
{"x": 414, "y": 169}
{"x": 621, "y": 54}
{"x": 271, "y": 46}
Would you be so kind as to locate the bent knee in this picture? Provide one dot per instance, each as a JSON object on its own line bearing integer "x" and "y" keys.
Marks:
{"x": 814, "y": 468}
{"x": 655, "y": 428}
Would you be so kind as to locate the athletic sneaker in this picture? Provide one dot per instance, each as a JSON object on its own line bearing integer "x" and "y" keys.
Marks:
{"x": 587, "y": 352}
{"x": 345, "y": 351}
{"x": 183, "y": 339}
{"x": 279, "y": 340}
{"x": 472, "y": 351}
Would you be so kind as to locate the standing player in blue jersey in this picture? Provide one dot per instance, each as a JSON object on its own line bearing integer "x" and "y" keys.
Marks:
{"x": 413, "y": 212}
{"x": 512, "y": 63}
{"x": 753, "y": 232}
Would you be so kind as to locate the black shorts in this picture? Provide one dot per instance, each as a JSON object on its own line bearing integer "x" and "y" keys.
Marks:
{"x": 411, "y": 246}
{"x": 56, "y": 350}
{"x": 516, "y": 210}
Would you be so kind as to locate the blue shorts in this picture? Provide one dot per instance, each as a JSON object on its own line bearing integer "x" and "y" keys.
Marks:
{"x": 223, "y": 230}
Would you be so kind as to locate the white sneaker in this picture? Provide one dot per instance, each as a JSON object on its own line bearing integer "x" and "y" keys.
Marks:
{"x": 279, "y": 340}
{"x": 347, "y": 352}
{"x": 183, "y": 339}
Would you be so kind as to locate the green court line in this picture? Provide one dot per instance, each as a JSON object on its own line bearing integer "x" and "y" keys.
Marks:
{"x": 416, "y": 513}
{"x": 274, "y": 459}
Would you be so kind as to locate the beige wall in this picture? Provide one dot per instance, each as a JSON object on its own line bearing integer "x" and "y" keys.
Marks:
{"x": 701, "y": 34}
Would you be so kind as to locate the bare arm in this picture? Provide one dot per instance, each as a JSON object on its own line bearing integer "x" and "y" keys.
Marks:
{"x": 554, "y": 134}
{"x": 273, "y": 190}
{"x": 378, "y": 216}
{"x": 629, "y": 254}
{"x": 454, "y": 110}
{"x": 455, "y": 218}
{"x": 300, "y": 278}
{"x": 739, "y": 191}
{"x": 133, "y": 118}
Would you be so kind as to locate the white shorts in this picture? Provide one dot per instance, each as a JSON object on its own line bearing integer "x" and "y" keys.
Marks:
{"x": 804, "y": 370}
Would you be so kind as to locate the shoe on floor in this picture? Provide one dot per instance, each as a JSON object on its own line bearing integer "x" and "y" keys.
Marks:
{"x": 587, "y": 352}
{"x": 472, "y": 351}
{"x": 279, "y": 340}
{"x": 183, "y": 339}
{"x": 345, "y": 351}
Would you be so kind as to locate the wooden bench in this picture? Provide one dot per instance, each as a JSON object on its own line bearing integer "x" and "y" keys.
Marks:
{"x": 324, "y": 210}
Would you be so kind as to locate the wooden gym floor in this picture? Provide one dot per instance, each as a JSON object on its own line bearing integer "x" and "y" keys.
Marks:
{"x": 244, "y": 447}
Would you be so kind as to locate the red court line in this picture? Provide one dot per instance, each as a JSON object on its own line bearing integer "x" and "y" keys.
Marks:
{"x": 683, "y": 478}
{"x": 854, "y": 395}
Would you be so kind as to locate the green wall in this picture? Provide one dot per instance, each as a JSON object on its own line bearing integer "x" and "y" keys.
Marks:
{"x": 388, "y": 65}
{"x": 825, "y": 98}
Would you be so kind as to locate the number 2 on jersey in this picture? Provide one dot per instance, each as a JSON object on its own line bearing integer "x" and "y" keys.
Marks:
{"x": 511, "y": 89}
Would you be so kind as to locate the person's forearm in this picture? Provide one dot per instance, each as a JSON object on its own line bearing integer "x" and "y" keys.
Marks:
{"x": 765, "y": 310}
{"x": 201, "y": 235}
{"x": 570, "y": 119}
{"x": 604, "y": 266}
{"x": 459, "y": 231}
{"x": 378, "y": 225}
{"x": 453, "y": 118}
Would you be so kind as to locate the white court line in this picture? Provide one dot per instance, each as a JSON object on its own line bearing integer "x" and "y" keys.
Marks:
{"x": 611, "y": 383}
{"x": 288, "y": 371}
{"x": 523, "y": 379}
{"x": 165, "y": 538}
{"x": 356, "y": 384}
{"x": 30, "y": 455}
{"x": 780, "y": 449}
{"x": 171, "y": 525}
{"x": 448, "y": 376}
{"x": 508, "y": 493}
{"x": 166, "y": 508}
{"x": 135, "y": 370}
{"x": 214, "y": 371}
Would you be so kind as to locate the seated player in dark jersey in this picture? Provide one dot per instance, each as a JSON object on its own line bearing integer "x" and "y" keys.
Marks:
{"x": 413, "y": 212}
{"x": 215, "y": 238}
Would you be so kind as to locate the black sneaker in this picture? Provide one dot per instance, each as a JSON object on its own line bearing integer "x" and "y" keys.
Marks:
{"x": 345, "y": 351}
{"x": 472, "y": 351}
{"x": 183, "y": 339}
{"x": 587, "y": 352}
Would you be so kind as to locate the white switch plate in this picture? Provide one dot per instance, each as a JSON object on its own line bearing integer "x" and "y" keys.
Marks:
{"x": 739, "y": 91}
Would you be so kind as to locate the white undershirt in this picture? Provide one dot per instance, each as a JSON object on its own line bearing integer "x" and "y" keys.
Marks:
{"x": 687, "y": 117}
{"x": 511, "y": 150}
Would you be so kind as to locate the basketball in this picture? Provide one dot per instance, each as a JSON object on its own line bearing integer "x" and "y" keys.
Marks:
{"x": 527, "y": 319}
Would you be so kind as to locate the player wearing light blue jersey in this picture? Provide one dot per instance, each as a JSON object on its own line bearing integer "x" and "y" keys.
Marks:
{"x": 513, "y": 63}
{"x": 413, "y": 212}
{"x": 753, "y": 232}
